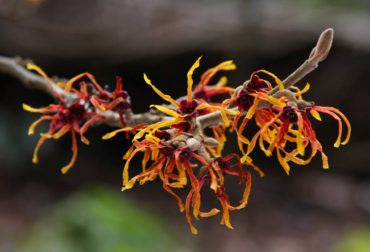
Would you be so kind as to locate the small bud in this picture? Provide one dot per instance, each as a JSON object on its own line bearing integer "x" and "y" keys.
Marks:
{"x": 209, "y": 141}
{"x": 193, "y": 144}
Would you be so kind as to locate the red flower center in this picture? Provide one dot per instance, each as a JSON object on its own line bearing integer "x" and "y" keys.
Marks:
{"x": 185, "y": 154}
{"x": 255, "y": 83}
{"x": 289, "y": 114}
{"x": 74, "y": 113}
{"x": 121, "y": 107}
{"x": 244, "y": 100}
{"x": 222, "y": 163}
{"x": 162, "y": 134}
{"x": 188, "y": 107}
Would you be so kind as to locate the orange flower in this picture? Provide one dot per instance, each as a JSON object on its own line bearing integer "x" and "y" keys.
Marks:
{"x": 171, "y": 164}
{"x": 66, "y": 116}
{"x": 248, "y": 99}
{"x": 292, "y": 126}
{"x": 176, "y": 166}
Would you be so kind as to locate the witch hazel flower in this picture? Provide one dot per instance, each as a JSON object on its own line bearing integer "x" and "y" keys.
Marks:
{"x": 118, "y": 101}
{"x": 179, "y": 161}
{"x": 181, "y": 143}
{"x": 66, "y": 116}
{"x": 287, "y": 130}
{"x": 180, "y": 114}
{"x": 177, "y": 153}
{"x": 204, "y": 91}
{"x": 247, "y": 100}
{"x": 213, "y": 175}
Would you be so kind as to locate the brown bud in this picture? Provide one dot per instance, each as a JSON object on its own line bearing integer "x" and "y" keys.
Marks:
{"x": 209, "y": 141}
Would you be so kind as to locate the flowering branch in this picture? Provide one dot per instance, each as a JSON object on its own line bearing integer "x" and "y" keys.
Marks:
{"x": 175, "y": 147}
{"x": 317, "y": 55}
{"x": 15, "y": 67}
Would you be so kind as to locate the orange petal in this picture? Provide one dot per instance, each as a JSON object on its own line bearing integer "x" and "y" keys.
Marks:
{"x": 31, "y": 129}
{"x": 66, "y": 168}
{"x": 41, "y": 141}
{"x": 210, "y": 213}
{"x": 246, "y": 193}
{"x": 62, "y": 131}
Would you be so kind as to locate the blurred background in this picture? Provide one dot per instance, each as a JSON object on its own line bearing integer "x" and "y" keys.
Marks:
{"x": 311, "y": 210}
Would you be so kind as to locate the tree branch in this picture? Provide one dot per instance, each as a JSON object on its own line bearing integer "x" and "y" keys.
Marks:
{"x": 318, "y": 54}
{"x": 15, "y": 67}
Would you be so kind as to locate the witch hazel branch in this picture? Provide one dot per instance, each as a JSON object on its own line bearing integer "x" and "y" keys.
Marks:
{"x": 181, "y": 143}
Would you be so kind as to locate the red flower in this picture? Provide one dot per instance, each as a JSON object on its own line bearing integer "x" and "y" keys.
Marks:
{"x": 74, "y": 116}
{"x": 118, "y": 101}
{"x": 213, "y": 175}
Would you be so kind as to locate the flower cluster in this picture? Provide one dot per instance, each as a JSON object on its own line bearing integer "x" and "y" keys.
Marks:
{"x": 177, "y": 151}
{"x": 284, "y": 122}
{"x": 183, "y": 147}
{"x": 76, "y": 110}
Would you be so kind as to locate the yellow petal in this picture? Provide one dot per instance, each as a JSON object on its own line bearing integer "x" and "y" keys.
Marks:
{"x": 208, "y": 75}
{"x": 30, "y": 66}
{"x": 270, "y": 99}
{"x": 246, "y": 159}
{"x": 166, "y": 111}
{"x": 127, "y": 184}
{"x": 159, "y": 92}
{"x": 283, "y": 162}
{"x": 252, "y": 109}
{"x": 315, "y": 114}
{"x": 190, "y": 78}
{"x": 300, "y": 135}
{"x": 222, "y": 82}
{"x": 39, "y": 71}
{"x": 115, "y": 132}
{"x": 145, "y": 159}
{"x": 277, "y": 80}
{"x": 226, "y": 215}
{"x": 225, "y": 66}
{"x": 305, "y": 89}
{"x": 34, "y": 110}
